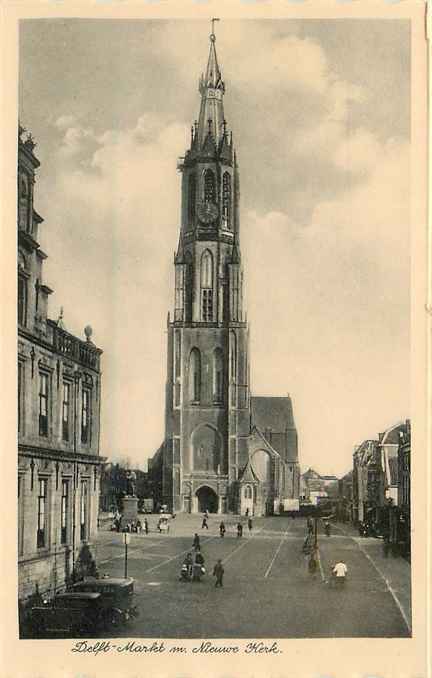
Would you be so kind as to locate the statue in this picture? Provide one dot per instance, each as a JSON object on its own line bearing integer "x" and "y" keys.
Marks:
{"x": 130, "y": 483}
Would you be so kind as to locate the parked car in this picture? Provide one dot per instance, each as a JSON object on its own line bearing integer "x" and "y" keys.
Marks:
{"x": 73, "y": 614}
{"x": 117, "y": 597}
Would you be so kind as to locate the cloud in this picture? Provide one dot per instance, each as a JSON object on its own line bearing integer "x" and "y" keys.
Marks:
{"x": 65, "y": 121}
{"x": 75, "y": 141}
{"x": 340, "y": 290}
{"x": 325, "y": 220}
{"x": 117, "y": 207}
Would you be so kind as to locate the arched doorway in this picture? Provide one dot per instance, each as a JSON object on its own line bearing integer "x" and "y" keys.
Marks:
{"x": 207, "y": 500}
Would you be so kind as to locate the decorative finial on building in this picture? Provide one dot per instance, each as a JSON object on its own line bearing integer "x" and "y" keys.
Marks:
{"x": 30, "y": 142}
{"x": 21, "y": 130}
{"x": 88, "y": 331}
{"x": 224, "y": 125}
{"x": 212, "y": 35}
{"x": 60, "y": 322}
{"x": 209, "y": 123}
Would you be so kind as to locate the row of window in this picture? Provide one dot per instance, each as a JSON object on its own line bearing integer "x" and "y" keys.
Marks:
{"x": 24, "y": 202}
{"x": 209, "y": 194}
{"x": 45, "y": 407}
{"x": 42, "y": 525}
{"x": 195, "y": 376}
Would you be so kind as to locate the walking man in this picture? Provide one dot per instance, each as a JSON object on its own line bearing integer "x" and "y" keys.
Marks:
{"x": 204, "y": 522}
{"x": 250, "y": 525}
{"x": 218, "y": 572}
{"x": 222, "y": 529}
{"x": 196, "y": 542}
{"x": 239, "y": 530}
{"x": 339, "y": 572}
{"x": 146, "y": 526}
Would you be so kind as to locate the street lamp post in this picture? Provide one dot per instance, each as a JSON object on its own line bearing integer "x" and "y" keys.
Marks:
{"x": 126, "y": 537}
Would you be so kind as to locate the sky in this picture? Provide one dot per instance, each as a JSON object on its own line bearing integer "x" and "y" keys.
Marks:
{"x": 320, "y": 114}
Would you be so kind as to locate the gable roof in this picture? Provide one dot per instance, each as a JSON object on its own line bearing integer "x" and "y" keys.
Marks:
{"x": 272, "y": 412}
{"x": 273, "y": 417}
{"x": 248, "y": 474}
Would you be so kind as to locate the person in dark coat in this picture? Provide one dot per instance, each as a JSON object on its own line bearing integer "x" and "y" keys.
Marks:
{"x": 218, "y": 572}
{"x": 204, "y": 522}
{"x": 239, "y": 530}
{"x": 196, "y": 541}
{"x": 146, "y": 526}
{"x": 250, "y": 525}
{"x": 222, "y": 529}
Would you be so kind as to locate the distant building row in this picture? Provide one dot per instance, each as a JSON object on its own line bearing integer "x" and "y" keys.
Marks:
{"x": 376, "y": 493}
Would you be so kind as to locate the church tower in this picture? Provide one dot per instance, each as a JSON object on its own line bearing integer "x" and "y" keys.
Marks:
{"x": 207, "y": 393}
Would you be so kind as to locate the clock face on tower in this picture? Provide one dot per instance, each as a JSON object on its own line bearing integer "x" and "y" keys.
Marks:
{"x": 207, "y": 212}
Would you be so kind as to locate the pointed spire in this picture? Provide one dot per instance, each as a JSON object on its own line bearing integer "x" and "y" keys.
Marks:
{"x": 213, "y": 74}
{"x": 212, "y": 89}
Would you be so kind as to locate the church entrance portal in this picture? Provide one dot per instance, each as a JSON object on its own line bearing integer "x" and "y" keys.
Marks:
{"x": 207, "y": 500}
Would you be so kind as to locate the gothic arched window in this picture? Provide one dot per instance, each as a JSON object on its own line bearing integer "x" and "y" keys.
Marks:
{"x": 192, "y": 197}
{"x": 209, "y": 186}
{"x": 233, "y": 355}
{"x": 195, "y": 376}
{"x": 206, "y": 273}
{"x": 189, "y": 286}
{"x": 217, "y": 375}
{"x": 22, "y": 289}
{"x": 23, "y": 202}
{"x": 206, "y": 449}
{"x": 248, "y": 492}
{"x": 226, "y": 199}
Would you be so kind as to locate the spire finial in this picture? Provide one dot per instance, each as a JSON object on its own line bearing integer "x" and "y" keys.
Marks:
{"x": 212, "y": 35}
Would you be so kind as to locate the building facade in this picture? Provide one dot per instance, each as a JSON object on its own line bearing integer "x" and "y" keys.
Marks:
{"x": 380, "y": 482}
{"x": 404, "y": 489}
{"x": 210, "y": 434}
{"x": 59, "y": 386}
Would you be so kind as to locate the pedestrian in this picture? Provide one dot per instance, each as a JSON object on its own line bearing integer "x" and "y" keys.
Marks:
{"x": 307, "y": 543}
{"x": 218, "y": 572}
{"x": 222, "y": 529}
{"x": 339, "y": 572}
{"x": 239, "y": 530}
{"x": 247, "y": 512}
{"x": 196, "y": 542}
{"x": 313, "y": 563}
{"x": 204, "y": 522}
{"x": 250, "y": 525}
{"x": 146, "y": 526}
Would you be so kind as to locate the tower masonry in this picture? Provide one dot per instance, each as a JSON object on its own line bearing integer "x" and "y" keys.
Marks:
{"x": 208, "y": 405}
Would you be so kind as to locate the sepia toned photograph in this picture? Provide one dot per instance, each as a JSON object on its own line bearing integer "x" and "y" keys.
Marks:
{"x": 214, "y": 329}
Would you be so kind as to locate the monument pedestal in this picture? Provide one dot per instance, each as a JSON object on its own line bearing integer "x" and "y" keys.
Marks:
{"x": 130, "y": 509}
